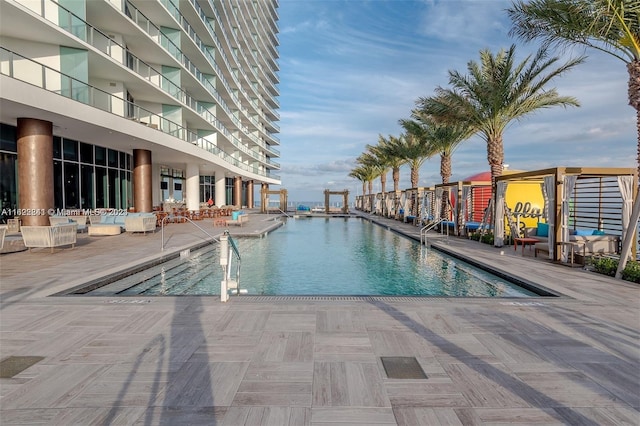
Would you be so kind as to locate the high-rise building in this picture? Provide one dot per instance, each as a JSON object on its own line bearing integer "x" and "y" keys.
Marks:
{"x": 132, "y": 104}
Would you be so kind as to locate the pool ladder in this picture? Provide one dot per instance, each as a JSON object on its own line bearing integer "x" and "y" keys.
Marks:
{"x": 228, "y": 252}
{"x": 427, "y": 228}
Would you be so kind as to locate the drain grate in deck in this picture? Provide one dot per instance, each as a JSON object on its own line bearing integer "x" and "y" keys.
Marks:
{"x": 402, "y": 367}
{"x": 13, "y": 365}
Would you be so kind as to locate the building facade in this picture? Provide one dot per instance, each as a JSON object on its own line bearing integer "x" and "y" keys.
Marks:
{"x": 136, "y": 103}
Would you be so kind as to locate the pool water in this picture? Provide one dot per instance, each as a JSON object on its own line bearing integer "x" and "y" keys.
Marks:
{"x": 322, "y": 256}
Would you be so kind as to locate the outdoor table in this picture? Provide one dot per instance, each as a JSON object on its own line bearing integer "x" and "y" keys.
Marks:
{"x": 524, "y": 241}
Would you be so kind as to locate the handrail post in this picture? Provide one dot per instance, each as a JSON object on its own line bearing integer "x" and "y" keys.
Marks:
{"x": 224, "y": 262}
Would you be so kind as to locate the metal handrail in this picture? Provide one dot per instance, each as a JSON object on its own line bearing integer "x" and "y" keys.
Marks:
{"x": 284, "y": 213}
{"x": 214, "y": 239}
{"x": 232, "y": 244}
{"x": 226, "y": 242}
{"x": 426, "y": 228}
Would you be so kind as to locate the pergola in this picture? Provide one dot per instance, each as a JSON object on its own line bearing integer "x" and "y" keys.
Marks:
{"x": 467, "y": 199}
{"x": 345, "y": 200}
{"x": 264, "y": 203}
{"x": 593, "y": 197}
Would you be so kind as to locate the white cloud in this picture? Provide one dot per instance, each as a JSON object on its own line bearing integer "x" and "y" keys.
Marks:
{"x": 351, "y": 69}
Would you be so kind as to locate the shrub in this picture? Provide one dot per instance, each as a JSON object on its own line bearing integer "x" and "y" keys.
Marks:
{"x": 605, "y": 265}
{"x": 486, "y": 238}
{"x": 631, "y": 271}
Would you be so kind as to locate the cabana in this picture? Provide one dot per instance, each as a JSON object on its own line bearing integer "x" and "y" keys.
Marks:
{"x": 524, "y": 199}
{"x": 576, "y": 200}
{"x": 468, "y": 199}
{"x": 452, "y": 214}
{"x": 418, "y": 202}
{"x": 388, "y": 200}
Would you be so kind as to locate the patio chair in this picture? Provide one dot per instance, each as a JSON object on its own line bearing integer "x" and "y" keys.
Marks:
{"x": 49, "y": 236}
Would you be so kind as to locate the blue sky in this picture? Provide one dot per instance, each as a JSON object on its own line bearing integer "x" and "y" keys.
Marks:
{"x": 350, "y": 69}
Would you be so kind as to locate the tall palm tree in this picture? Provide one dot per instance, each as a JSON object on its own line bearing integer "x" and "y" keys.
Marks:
{"x": 387, "y": 148}
{"x": 366, "y": 174}
{"x": 610, "y": 26}
{"x": 413, "y": 148}
{"x": 378, "y": 155}
{"x": 367, "y": 158}
{"x": 443, "y": 139}
{"x": 497, "y": 91}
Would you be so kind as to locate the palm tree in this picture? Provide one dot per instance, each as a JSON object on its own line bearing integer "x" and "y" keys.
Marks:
{"x": 387, "y": 148}
{"x": 367, "y": 158}
{"x": 412, "y": 146}
{"x": 494, "y": 93}
{"x": 380, "y": 155}
{"x": 610, "y": 26}
{"x": 370, "y": 158}
{"x": 366, "y": 174}
{"x": 443, "y": 139}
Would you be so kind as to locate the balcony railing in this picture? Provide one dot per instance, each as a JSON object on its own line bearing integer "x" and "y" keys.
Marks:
{"x": 29, "y": 71}
{"x": 65, "y": 19}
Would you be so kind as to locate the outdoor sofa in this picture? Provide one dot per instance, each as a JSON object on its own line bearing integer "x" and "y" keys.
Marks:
{"x": 49, "y": 236}
{"x": 238, "y": 218}
{"x": 80, "y": 220}
{"x": 590, "y": 241}
{"x": 140, "y": 222}
{"x": 114, "y": 224}
{"x": 106, "y": 224}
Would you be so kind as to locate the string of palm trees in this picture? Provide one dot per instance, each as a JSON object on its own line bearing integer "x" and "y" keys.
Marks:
{"x": 497, "y": 90}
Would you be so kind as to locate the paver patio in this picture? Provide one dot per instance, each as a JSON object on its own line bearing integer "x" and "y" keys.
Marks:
{"x": 261, "y": 360}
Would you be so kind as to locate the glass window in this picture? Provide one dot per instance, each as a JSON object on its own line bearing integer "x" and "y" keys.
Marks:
{"x": 114, "y": 189}
{"x": 123, "y": 163}
{"x": 8, "y": 181}
{"x": 8, "y": 141}
{"x": 102, "y": 186}
{"x": 57, "y": 147}
{"x": 87, "y": 193}
{"x": 70, "y": 149}
{"x": 71, "y": 186}
{"x": 164, "y": 187}
{"x": 58, "y": 200}
{"x": 124, "y": 194}
{"x": 113, "y": 158}
{"x": 177, "y": 189}
{"x": 130, "y": 190}
{"x": 86, "y": 153}
{"x": 101, "y": 156}
{"x": 128, "y": 162}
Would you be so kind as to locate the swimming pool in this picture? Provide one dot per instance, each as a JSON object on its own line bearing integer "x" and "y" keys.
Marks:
{"x": 322, "y": 256}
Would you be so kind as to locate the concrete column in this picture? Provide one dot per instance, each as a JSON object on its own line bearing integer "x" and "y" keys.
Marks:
{"x": 250, "y": 202}
{"x": 35, "y": 170}
{"x": 237, "y": 191}
{"x": 142, "y": 180}
{"x": 264, "y": 198}
{"x": 221, "y": 190}
{"x": 193, "y": 187}
{"x": 155, "y": 185}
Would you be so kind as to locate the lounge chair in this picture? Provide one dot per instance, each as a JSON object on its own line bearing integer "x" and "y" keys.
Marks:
{"x": 140, "y": 222}
{"x": 49, "y": 236}
{"x": 80, "y": 220}
{"x": 237, "y": 218}
{"x": 590, "y": 241}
